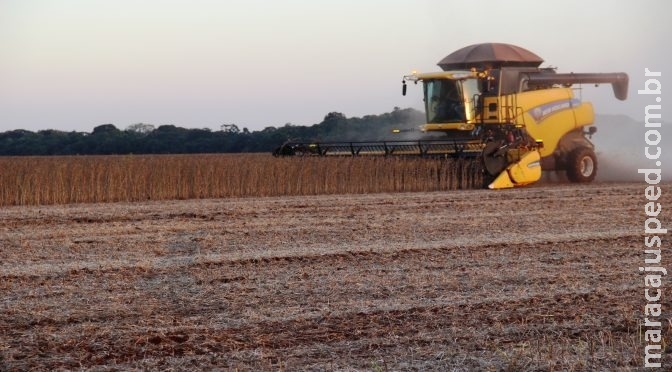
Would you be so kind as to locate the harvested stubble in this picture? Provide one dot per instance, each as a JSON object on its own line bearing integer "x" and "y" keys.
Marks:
{"x": 93, "y": 179}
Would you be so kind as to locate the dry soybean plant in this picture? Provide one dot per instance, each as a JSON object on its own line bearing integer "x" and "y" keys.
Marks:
{"x": 94, "y": 179}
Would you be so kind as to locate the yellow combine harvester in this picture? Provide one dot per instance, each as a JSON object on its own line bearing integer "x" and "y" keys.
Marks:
{"x": 497, "y": 106}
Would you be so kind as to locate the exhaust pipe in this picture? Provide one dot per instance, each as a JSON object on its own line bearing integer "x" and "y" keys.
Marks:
{"x": 618, "y": 80}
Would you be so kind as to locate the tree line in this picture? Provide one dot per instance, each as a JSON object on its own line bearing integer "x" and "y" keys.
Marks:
{"x": 141, "y": 138}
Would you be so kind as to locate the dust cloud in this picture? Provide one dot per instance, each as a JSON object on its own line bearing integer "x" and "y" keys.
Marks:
{"x": 619, "y": 145}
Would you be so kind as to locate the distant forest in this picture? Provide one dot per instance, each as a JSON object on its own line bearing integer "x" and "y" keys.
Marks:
{"x": 143, "y": 138}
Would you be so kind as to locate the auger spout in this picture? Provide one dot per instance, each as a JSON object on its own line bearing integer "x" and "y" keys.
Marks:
{"x": 618, "y": 80}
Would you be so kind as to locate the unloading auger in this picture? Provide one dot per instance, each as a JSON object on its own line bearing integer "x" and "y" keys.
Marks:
{"x": 496, "y": 106}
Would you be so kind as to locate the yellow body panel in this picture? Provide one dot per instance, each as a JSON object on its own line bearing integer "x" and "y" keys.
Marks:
{"x": 527, "y": 170}
{"x": 550, "y": 114}
{"x": 584, "y": 114}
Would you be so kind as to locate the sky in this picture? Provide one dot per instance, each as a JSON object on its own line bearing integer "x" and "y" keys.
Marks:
{"x": 72, "y": 65}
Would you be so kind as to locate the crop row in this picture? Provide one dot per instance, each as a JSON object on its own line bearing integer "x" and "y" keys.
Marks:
{"x": 94, "y": 179}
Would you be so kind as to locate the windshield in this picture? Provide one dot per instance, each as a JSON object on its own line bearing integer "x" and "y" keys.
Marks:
{"x": 471, "y": 92}
{"x": 450, "y": 101}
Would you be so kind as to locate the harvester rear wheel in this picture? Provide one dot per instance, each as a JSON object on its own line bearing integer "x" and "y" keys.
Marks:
{"x": 581, "y": 165}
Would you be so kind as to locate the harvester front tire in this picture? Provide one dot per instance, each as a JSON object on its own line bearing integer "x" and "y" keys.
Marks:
{"x": 582, "y": 165}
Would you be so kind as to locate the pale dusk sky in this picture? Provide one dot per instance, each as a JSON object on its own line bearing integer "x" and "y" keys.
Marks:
{"x": 76, "y": 64}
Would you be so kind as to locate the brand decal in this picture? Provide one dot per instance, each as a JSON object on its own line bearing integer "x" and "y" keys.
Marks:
{"x": 541, "y": 112}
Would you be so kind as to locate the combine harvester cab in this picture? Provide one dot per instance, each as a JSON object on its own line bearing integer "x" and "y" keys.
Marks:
{"x": 525, "y": 118}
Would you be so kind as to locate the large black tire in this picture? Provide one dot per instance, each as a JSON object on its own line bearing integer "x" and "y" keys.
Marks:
{"x": 582, "y": 165}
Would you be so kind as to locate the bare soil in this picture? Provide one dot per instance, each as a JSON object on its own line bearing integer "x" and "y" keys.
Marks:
{"x": 531, "y": 279}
